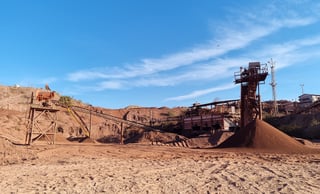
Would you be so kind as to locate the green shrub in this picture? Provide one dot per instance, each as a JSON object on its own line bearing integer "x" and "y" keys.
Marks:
{"x": 65, "y": 101}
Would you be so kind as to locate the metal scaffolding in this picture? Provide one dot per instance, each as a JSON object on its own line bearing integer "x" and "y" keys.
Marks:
{"x": 41, "y": 123}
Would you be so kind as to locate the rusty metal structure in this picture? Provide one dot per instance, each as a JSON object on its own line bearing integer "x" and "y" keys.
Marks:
{"x": 41, "y": 119}
{"x": 250, "y": 79}
{"x": 218, "y": 115}
{"x": 83, "y": 126}
{"x": 121, "y": 121}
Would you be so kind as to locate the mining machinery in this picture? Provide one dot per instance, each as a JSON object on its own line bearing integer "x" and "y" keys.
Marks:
{"x": 250, "y": 103}
{"x": 41, "y": 118}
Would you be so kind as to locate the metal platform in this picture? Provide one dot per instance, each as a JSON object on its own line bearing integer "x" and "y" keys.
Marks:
{"x": 41, "y": 124}
{"x": 250, "y": 78}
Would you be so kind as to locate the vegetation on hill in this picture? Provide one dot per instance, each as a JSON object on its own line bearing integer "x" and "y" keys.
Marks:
{"x": 65, "y": 101}
{"x": 305, "y": 126}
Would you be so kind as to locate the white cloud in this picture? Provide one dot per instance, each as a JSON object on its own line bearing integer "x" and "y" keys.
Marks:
{"x": 291, "y": 52}
{"x": 109, "y": 85}
{"x": 229, "y": 39}
{"x": 212, "y": 70}
{"x": 213, "y": 60}
{"x": 86, "y": 75}
{"x": 198, "y": 93}
{"x": 153, "y": 66}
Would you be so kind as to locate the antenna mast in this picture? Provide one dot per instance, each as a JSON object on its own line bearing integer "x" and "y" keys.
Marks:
{"x": 273, "y": 85}
{"x": 302, "y": 85}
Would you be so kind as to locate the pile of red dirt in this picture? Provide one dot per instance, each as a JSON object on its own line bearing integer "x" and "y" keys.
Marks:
{"x": 261, "y": 135}
{"x": 12, "y": 154}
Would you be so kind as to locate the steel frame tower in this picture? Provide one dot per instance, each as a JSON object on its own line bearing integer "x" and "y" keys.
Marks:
{"x": 250, "y": 101}
{"x": 273, "y": 85}
{"x": 41, "y": 123}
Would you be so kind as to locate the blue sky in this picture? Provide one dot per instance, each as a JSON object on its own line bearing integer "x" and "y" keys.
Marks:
{"x": 171, "y": 53}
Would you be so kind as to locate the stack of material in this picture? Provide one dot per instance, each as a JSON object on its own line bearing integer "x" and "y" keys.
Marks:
{"x": 261, "y": 135}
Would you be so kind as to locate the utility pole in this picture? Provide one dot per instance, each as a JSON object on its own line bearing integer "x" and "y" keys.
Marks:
{"x": 90, "y": 127}
{"x": 273, "y": 85}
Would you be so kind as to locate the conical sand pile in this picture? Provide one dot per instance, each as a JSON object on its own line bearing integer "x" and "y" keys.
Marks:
{"x": 261, "y": 135}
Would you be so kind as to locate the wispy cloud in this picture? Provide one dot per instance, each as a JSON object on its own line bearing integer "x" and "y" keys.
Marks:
{"x": 231, "y": 39}
{"x": 212, "y": 70}
{"x": 213, "y": 60}
{"x": 291, "y": 52}
{"x": 199, "y": 93}
{"x": 154, "y": 66}
{"x": 110, "y": 85}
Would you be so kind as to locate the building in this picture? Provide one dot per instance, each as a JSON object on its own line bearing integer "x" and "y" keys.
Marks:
{"x": 218, "y": 115}
{"x": 306, "y": 100}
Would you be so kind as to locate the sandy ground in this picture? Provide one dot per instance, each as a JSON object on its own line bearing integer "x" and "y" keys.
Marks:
{"x": 70, "y": 167}
{"x": 137, "y": 168}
